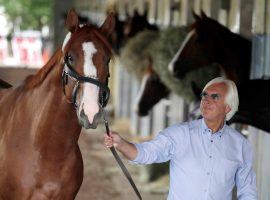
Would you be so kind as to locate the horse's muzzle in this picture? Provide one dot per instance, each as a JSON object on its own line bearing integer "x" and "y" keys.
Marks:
{"x": 84, "y": 121}
{"x": 180, "y": 69}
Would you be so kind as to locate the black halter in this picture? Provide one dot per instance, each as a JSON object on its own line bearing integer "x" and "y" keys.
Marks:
{"x": 68, "y": 71}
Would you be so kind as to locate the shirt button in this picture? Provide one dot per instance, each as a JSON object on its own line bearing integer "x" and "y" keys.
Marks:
{"x": 210, "y": 156}
{"x": 205, "y": 190}
{"x": 208, "y": 173}
{"x": 211, "y": 140}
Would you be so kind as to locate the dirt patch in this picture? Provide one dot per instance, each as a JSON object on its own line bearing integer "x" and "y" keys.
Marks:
{"x": 103, "y": 179}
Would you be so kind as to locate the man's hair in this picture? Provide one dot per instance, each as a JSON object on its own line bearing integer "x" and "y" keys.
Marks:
{"x": 231, "y": 98}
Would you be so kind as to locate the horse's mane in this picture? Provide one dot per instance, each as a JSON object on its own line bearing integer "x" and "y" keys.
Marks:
{"x": 32, "y": 81}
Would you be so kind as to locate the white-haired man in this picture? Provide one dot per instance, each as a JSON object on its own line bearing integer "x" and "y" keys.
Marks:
{"x": 207, "y": 157}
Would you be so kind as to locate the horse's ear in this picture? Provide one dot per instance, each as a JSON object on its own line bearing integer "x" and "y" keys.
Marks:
{"x": 108, "y": 26}
{"x": 72, "y": 20}
{"x": 136, "y": 13}
{"x": 196, "y": 17}
{"x": 203, "y": 14}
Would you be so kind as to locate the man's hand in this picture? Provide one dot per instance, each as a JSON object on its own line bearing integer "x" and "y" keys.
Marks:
{"x": 126, "y": 148}
{"x": 113, "y": 140}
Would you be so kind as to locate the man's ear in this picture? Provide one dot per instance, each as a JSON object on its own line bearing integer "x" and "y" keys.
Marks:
{"x": 227, "y": 109}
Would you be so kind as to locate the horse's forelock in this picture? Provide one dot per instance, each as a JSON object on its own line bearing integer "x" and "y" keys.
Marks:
{"x": 88, "y": 29}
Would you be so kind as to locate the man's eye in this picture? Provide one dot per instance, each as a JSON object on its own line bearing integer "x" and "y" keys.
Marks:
{"x": 215, "y": 96}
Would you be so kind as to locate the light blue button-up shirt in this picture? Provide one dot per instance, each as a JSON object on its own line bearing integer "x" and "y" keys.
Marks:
{"x": 203, "y": 166}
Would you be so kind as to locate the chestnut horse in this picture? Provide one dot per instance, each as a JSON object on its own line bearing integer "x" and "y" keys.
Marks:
{"x": 41, "y": 119}
{"x": 210, "y": 42}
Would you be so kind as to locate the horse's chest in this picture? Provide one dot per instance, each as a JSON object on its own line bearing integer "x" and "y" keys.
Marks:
{"x": 35, "y": 177}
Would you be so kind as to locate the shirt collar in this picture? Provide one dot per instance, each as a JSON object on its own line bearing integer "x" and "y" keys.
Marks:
{"x": 205, "y": 128}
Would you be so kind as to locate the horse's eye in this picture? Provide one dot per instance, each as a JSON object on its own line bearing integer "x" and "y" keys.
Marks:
{"x": 70, "y": 61}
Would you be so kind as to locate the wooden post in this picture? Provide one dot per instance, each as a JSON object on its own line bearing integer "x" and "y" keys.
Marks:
{"x": 152, "y": 11}
{"x": 160, "y": 12}
{"x": 206, "y": 7}
{"x": 234, "y": 16}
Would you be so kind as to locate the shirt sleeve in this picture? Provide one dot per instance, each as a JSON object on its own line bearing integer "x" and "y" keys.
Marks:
{"x": 160, "y": 149}
{"x": 245, "y": 176}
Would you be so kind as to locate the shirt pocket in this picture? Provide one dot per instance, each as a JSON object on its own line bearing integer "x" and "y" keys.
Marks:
{"x": 225, "y": 171}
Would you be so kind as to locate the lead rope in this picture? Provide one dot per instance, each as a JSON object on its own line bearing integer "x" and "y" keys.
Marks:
{"x": 119, "y": 161}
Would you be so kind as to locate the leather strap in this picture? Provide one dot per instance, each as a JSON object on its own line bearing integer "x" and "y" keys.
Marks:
{"x": 121, "y": 164}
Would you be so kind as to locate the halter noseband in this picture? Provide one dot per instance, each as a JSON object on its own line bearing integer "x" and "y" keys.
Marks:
{"x": 68, "y": 71}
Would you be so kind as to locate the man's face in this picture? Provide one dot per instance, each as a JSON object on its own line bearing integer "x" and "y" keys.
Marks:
{"x": 213, "y": 107}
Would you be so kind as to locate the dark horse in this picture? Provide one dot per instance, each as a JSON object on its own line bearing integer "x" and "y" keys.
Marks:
{"x": 41, "y": 119}
{"x": 4, "y": 84}
{"x": 117, "y": 37}
{"x": 136, "y": 24}
{"x": 152, "y": 90}
{"x": 209, "y": 42}
{"x": 128, "y": 28}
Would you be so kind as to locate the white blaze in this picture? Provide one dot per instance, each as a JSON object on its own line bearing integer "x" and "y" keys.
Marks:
{"x": 67, "y": 38}
{"x": 140, "y": 93}
{"x": 90, "y": 91}
{"x": 189, "y": 35}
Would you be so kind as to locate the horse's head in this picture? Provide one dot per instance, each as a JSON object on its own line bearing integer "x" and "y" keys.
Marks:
{"x": 152, "y": 90}
{"x": 198, "y": 48}
{"x": 86, "y": 56}
{"x": 136, "y": 24}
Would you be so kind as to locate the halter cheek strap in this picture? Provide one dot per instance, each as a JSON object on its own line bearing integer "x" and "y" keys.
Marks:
{"x": 68, "y": 71}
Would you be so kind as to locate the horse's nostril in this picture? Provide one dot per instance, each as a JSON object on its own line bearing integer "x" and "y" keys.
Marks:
{"x": 143, "y": 109}
{"x": 142, "y": 113}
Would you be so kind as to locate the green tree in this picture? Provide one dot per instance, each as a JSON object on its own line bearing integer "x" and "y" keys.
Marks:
{"x": 29, "y": 14}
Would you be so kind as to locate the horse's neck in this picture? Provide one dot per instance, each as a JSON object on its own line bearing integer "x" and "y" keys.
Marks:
{"x": 235, "y": 58}
{"x": 42, "y": 113}
{"x": 56, "y": 114}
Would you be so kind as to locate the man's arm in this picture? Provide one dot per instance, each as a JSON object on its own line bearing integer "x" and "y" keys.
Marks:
{"x": 126, "y": 148}
{"x": 245, "y": 176}
{"x": 159, "y": 149}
